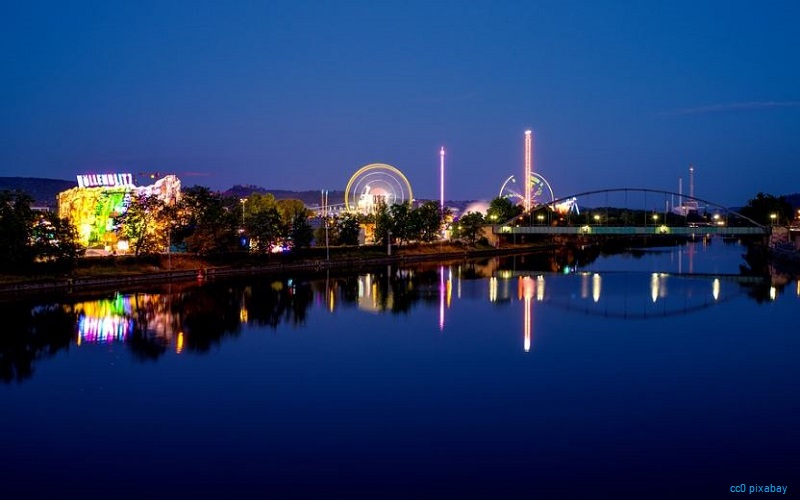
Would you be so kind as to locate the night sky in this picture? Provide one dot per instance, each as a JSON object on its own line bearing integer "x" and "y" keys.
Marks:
{"x": 299, "y": 95}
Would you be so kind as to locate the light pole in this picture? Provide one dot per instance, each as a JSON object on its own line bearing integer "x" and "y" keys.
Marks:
{"x": 243, "y": 201}
{"x": 773, "y": 218}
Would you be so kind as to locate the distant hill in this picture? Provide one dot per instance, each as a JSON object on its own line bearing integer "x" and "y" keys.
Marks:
{"x": 310, "y": 198}
{"x": 43, "y": 191}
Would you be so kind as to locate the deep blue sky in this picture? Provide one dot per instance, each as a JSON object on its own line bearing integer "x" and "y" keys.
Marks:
{"x": 299, "y": 95}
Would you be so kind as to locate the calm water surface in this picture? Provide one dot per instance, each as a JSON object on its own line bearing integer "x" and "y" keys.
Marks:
{"x": 664, "y": 373}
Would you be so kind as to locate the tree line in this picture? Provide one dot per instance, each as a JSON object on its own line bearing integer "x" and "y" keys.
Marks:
{"x": 205, "y": 223}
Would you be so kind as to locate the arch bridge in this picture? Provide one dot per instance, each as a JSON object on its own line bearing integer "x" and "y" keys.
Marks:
{"x": 545, "y": 220}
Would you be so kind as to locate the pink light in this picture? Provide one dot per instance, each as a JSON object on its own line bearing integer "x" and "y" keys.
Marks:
{"x": 528, "y": 166}
{"x": 441, "y": 180}
{"x": 527, "y": 287}
{"x": 441, "y": 298}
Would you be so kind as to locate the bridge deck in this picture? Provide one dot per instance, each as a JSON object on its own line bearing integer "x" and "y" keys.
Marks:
{"x": 630, "y": 230}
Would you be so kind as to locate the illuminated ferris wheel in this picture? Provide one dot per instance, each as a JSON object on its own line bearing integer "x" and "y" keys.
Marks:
{"x": 541, "y": 192}
{"x": 375, "y": 184}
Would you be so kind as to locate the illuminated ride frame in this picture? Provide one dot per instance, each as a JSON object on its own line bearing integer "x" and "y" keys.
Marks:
{"x": 541, "y": 194}
{"x": 375, "y": 184}
{"x": 93, "y": 206}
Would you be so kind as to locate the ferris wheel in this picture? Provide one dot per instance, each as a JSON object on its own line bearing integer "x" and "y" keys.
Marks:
{"x": 376, "y": 184}
{"x": 541, "y": 192}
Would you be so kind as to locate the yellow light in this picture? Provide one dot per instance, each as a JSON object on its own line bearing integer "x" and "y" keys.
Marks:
{"x": 654, "y": 287}
{"x": 539, "y": 288}
{"x": 597, "y": 285}
{"x": 179, "y": 343}
{"x": 715, "y": 289}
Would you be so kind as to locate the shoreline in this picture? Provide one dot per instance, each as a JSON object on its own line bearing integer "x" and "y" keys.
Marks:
{"x": 69, "y": 284}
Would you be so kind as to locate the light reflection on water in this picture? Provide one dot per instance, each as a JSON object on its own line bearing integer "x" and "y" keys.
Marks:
{"x": 432, "y": 368}
{"x": 151, "y": 314}
{"x": 175, "y": 318}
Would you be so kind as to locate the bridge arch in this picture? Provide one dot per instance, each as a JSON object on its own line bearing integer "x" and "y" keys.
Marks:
{"x": 551, "y": 205}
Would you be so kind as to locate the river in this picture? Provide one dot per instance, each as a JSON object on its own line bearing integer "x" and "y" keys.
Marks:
{"x": 664, "y": 373}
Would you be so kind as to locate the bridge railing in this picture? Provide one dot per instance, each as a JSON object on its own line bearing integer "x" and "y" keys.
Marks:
{"x": 630, "y": 230}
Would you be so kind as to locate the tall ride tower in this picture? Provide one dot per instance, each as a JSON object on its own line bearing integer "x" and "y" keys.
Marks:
{"x": 441, "y": 180}
{"x": 528, "y": 168}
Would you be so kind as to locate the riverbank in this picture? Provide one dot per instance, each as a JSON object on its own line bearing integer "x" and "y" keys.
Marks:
{"x": 122, "y": 271}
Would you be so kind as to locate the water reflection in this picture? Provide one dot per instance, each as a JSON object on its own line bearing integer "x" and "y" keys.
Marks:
{"x": 191, "y": 319}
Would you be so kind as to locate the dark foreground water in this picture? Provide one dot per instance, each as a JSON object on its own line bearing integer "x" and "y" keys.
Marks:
{"x": 521, "y": 378}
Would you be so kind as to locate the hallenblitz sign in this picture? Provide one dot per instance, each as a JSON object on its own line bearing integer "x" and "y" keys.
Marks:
{"x": 105, "y": 180}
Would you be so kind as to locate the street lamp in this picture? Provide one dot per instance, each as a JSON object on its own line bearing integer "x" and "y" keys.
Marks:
{"x": 773, "y": 218}
{"x": 243, "y": 201}
{"x": 596, "y": 218}
{"x": 540, "y": 218}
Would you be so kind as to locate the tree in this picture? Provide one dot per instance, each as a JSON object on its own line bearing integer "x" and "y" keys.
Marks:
{"x": 144, "y": 225}
{"x": 55, "y": 240}
{"x": 257, "y": 202}
{"x": 294, "y": 219}
{"x": 383, "y": 223}
{"x": 348, "y": 228}
{"x": 469, "y": 226}
{"x": 401, "y": 222}
{"x": 207, "y": 222}
{"x": 301, "y": 232}
{"x": 763, "y": 206}
{"x": 16, "y": 227}
{"x": 264, "y": 229}
{"x": 501, "y": 210}
{"x": 288, "y": 209}
{"x": 428, "y": 221}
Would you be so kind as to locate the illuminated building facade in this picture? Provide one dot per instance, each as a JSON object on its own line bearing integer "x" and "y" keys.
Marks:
{"x": 100, "y": 198}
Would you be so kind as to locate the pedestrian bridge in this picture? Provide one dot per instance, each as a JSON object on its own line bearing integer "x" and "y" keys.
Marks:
{"x": 665, "y": 221}
{"x": 631, "y": 230}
